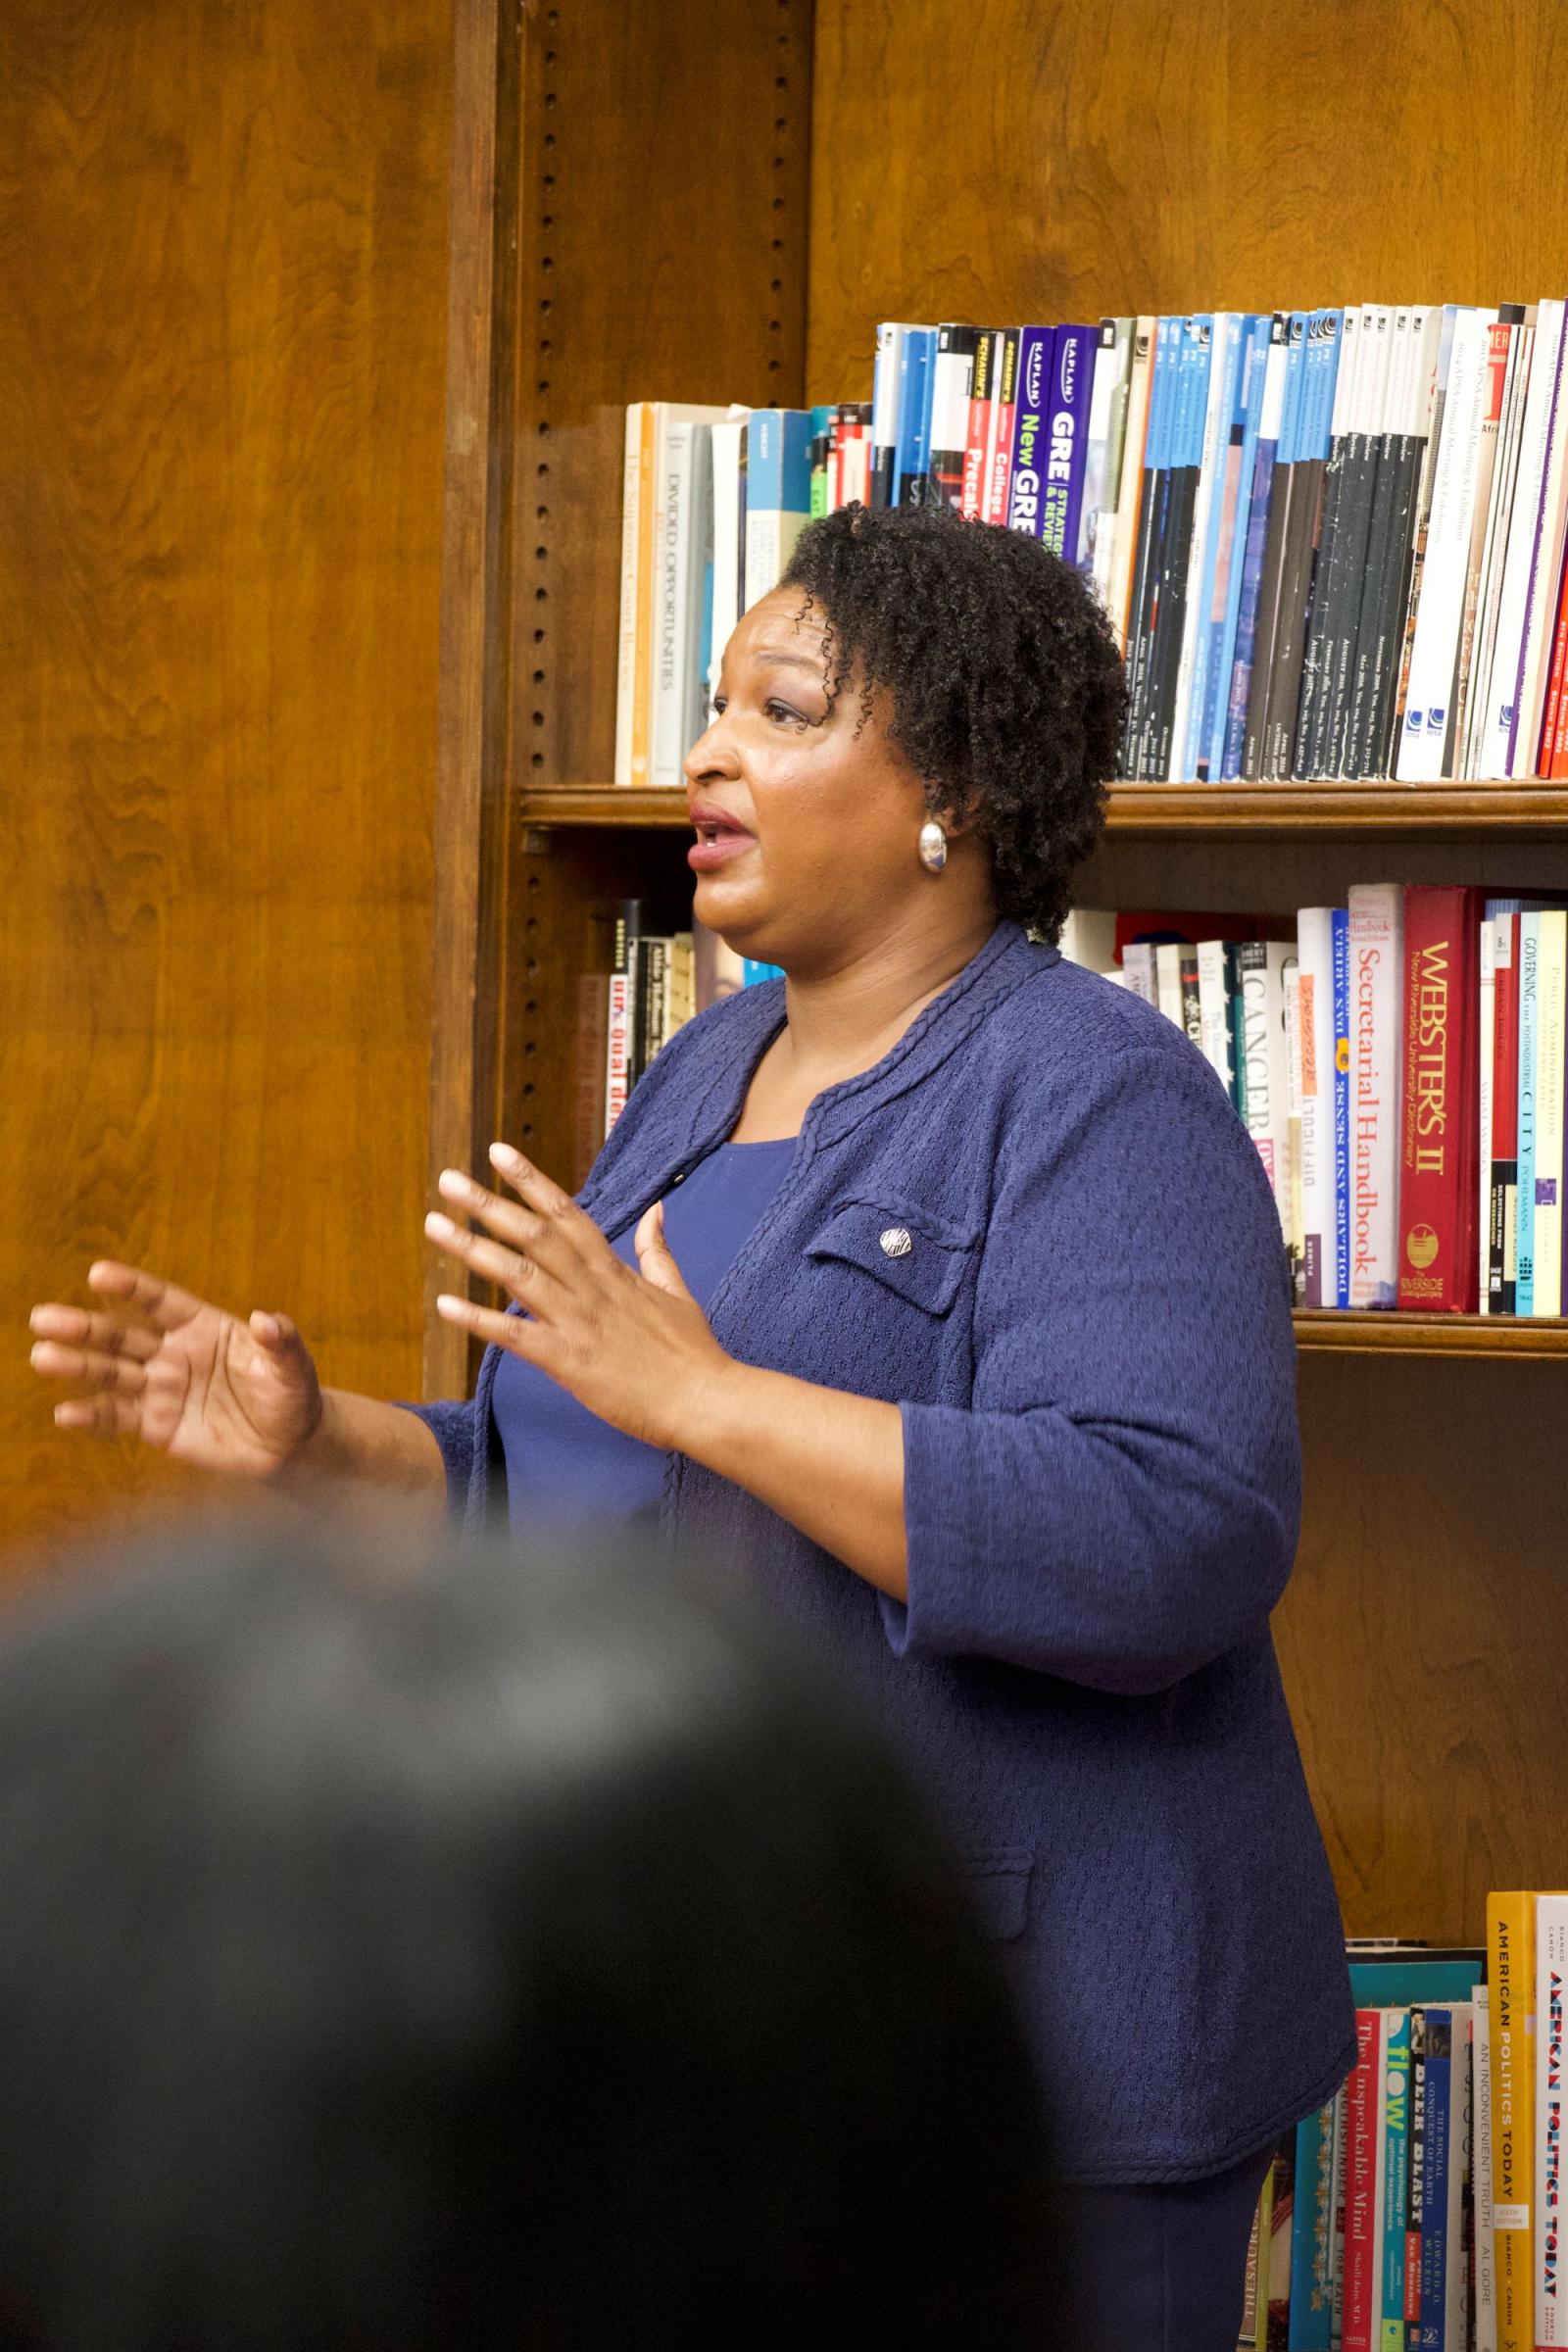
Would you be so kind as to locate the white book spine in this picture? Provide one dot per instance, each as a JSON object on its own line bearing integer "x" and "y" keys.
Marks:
{"x": 1097, "y": 515}
{"x": 1501, "y": 340}
{"x": 1168, "y": 981}
{"x": 1267, "y": 1089}
{"x": 1486, "y": 2299}
{"x": 1504, "y": 480}
{"x": 1503, "y": 951}
{"x": 727, "y": 542}
{"x": 1551, "y": 985}
{"x": 630, "y": 547}
{"x": 1294, "y": 1232}
{"x": 1524, "y": 523}
{"x": 1484, "y": 1099}
{"x": 1377, "y": 929}
{"x": 1441, "y": 610}
{"x": 1089, "y": 938}
{"x": 671, "y": 560}
{"x": 1213, "y": 1010}
{"x": 765, "y": 552}
{"x": 1138, "y": 970}
{"x": 1132, "y": 461}
{"x": 949, "y": 402}
{"x": 1315, "y": 950}
{"x": 1546, "y": 577}
{"x": 1552, "y": 1996}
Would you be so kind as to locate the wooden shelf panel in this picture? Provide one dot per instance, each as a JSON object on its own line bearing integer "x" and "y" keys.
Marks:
{"x": 1330, "y": 808}
{"x": 1220, "y": 810}
{"x": 1360, "y": 1333}
{"x": 606, "y": 805}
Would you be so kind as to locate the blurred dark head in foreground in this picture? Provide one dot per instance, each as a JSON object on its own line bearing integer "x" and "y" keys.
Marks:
{"x": 482, "y": 1953}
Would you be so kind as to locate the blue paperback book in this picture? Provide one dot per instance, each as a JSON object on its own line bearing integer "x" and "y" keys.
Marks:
{"x": 1241, "y": 456}
{"x": 1157, "y": 446}
{"x": 1431, "y": 2061}
{"x": 1209, "y": 591}
{"x": 1311, "y": 2313}
{"x": 1030, "y": 440}
{"x": 1066, "y": 436}
{"x": 916, "y": 371}
{"x": 1265, "y": 460}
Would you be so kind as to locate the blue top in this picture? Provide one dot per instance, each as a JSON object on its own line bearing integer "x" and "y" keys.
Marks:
{"x": 564, "y": 1467}
{"x": 1089, "y": 1338}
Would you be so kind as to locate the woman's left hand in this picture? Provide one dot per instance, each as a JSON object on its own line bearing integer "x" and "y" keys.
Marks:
{"x": 634, "y": 1348}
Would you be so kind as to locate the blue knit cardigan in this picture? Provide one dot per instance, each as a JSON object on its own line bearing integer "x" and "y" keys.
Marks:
{"x": 1089, "y": 1341}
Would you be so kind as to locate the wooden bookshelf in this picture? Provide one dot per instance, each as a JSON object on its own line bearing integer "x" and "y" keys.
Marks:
{"x": 1013, "y": 173}
{"x": 1239, "y": 812}
{"x": 1338, "y": 1332}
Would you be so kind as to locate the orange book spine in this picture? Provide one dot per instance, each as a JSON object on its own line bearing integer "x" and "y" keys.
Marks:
{"x": 642, "y": 706}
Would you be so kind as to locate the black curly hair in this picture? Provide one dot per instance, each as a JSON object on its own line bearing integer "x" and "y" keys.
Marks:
{"x": 1006, "y": 686}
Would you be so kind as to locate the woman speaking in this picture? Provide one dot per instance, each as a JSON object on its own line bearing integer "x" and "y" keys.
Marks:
{"x": 938, "y": 1281}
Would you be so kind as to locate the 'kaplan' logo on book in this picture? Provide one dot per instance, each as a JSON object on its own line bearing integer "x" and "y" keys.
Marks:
{"x": 1032, "y": 385}
{"x": 1069, "y": 365}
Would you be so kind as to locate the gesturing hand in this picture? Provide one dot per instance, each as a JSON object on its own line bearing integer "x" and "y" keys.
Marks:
{"x": 179, "y": 1374}
{"x": 634, "y": 1348}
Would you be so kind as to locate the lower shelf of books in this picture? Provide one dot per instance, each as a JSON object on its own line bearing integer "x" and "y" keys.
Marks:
{"x": 1343, "y": 1331}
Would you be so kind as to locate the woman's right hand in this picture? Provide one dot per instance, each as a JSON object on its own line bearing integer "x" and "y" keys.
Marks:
{"x": 181, "y": 1375}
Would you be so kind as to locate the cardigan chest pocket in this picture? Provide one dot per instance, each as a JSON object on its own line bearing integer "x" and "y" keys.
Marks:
{"x": 908, "y": 1250}
{"x": 999, "y": 1889}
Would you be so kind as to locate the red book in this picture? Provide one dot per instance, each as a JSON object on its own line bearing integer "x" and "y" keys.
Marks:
{"x": 972, "y": 503}
{"x": 1553, "y": 737}
{"x": 1440, "y": 1150}
{"x": 1363, "y": 2253}
{"x": 999, "y": 444}
{"x": 1503, "y": 1188}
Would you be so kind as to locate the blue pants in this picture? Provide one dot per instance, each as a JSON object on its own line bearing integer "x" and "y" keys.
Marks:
{"x": 1154, "y": 2269}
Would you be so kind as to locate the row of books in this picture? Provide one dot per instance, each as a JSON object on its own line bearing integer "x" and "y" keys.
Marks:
{"x": 1401, "y": 1064}
{"x": 713, "y": 502}
{"x": 1332, "y": 542}
{"x": 661, "y": 973}
{"x": 1419, "y": 2210}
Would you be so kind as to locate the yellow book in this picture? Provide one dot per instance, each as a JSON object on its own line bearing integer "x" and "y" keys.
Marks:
{"x": 1512, "y": 1971}
{"x": 1254, "y": 2308}
{"x": 642, "y": 665}
{"x": 1511, "y": 1975}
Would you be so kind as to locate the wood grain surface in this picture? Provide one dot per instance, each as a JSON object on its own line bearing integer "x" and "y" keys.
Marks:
{"x": 1422, "y": 1632}
{"x": 1056, "y": 160}
{"x": 222, "y": 239}
{"x": 629, "y": 222}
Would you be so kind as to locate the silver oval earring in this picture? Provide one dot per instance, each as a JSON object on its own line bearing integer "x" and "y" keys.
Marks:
{"x": 933, "y": 847}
